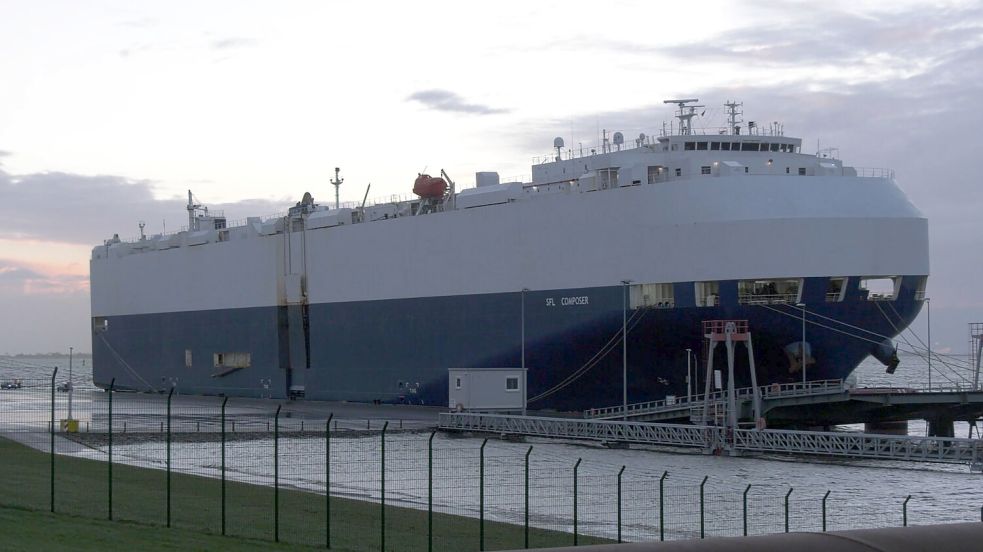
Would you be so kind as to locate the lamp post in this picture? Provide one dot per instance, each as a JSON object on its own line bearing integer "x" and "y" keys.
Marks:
{"x": 928, "y": 303}
{"x": 523, "y": 361}
{"x": 802, "y": 344}
{"x": 689, "y": 382}
{"x": 624, "y": 347}
{"x": 524, "y": 290}
{"x": 71, "y": 387}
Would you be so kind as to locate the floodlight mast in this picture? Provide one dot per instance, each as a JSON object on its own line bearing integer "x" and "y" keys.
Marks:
{"x": 685, "y": 114}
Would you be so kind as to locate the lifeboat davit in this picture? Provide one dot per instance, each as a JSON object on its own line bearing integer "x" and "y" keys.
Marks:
{"x": 429, "y": 187}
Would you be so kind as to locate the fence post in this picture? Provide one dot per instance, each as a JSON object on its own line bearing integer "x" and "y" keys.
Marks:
{"x": 481, "y": 496}
{"x": 702, "y": 516}
{"x": 621, "y": 471}
{"x": 575, "y": 468}
{"x": 788, "y": 494}
{"x": 745, "y": 508}
{"x": 276, "y": 474}
{"x": 382, "y": 495}
{"x": 51, "y": 430}
{"x": 904, "y": 510}
{"x": 825, "y": 496}
{"x": 430, "y": 492}
{"x": 662, "y": 506}
{"x": 528, "y": 452}
{"x": 112, "y": 384}
{"x": 327, "y": 481}
{"x": 168, "y": 440}
{"x": 224, "y": 401}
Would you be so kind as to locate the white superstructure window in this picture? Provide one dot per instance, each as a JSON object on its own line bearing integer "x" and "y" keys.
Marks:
{"x": 707, "y": 294}
{"x": 835, "y": 290}
{"x": 658, "y": 296}
{"x": 705, "y": 169}
{"x": 763, "y": 292}
{"x": 879, "y": 288}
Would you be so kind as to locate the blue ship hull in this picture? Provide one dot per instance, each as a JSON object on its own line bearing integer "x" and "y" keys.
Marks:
{"x": 400, "y": 350}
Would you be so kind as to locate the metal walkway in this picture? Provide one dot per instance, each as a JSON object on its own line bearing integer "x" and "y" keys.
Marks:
{"x": 713, "y": 439}
{"x": 679, "y": 408}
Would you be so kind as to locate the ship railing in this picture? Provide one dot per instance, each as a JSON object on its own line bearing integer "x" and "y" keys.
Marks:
{"x": 766, "y": 299}
{"x": 874, "y": 172}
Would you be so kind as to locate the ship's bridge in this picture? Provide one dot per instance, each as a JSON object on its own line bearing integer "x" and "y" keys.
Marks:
{"x": 681, "y": 151}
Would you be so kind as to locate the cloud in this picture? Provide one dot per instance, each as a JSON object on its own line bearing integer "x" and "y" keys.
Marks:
{"x": 232, "y": 43}
{"x": 81, "y": 209}
{"x": 20, "y": 278}
{"x": 445, "y": 100}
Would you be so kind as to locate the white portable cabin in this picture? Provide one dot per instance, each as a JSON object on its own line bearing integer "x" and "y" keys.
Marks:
{"x": 487, "y": 389}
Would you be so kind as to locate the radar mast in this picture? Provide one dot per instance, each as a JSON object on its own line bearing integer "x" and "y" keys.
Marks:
{"x": 337, "y": 186}
{"x": 685, "y": 114}
{"x": 734, "y": 113}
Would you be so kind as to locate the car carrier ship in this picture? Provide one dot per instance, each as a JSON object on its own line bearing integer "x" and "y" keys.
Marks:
{"x": 654, "y": 234}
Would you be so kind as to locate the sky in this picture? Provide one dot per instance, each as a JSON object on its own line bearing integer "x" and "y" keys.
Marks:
{"x": 111, "y": 111}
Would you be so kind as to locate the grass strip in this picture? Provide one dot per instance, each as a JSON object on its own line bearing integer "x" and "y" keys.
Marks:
{"x": 139, "y": 497}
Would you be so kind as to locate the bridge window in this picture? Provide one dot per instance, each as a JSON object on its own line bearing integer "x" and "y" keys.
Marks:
{"x": 689, "y": 146}
{"x": 835, "y": 290}
{"x": 707, "y": 294}
{"x": 749, "y": 146}
{"x": 774, "y": 147}
{"x": 764, "y": 292}
{"x": 764, "y": 147}
{"x": 735, "y": 146}
{"x": 714, "y": 146}
{"x": 802, "y": 171}
{"x": 701, "y": 145}
{"x": 876, "y": 288}
{"x": 658, "y": 296}
{"x": 725, "y": 146}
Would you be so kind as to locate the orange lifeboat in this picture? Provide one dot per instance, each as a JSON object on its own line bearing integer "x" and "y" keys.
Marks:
{"x": 429, "y": 187}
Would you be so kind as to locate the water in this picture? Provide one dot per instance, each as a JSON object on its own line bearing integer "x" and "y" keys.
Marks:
{"x": 862, "y": 493}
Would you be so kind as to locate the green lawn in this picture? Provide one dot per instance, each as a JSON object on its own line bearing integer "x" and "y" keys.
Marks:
{"x": 29, "y": 531}
{"x": 139, "y": 498}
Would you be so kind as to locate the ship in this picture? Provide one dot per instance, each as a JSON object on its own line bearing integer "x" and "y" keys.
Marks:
{"x": 595, "y": 276}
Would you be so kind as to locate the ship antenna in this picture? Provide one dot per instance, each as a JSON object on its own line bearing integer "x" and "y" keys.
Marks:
{"x": 337, "y": 186}
{"x": 733, "y": 115}
{"x": 192, "y": 207}
{"x": 141, "y": 224}
{"x": 685, "y": 114}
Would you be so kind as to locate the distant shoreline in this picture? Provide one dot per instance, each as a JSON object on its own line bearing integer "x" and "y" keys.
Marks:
{"x": 46, "y": 355}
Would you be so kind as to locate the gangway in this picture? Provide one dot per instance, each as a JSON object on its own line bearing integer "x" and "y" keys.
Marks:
{"x": 679, "y": 408}
{"x": 715, "y": 439}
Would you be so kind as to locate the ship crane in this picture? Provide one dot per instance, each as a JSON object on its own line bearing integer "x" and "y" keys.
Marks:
{"x": 685, "y": 114}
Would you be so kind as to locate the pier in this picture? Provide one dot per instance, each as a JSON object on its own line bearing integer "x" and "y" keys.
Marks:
{"x": 815, "y": 404}
{"x": 718, "y": 440}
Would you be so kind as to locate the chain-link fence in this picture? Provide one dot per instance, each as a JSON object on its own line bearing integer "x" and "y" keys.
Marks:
{"x": 259, "y": 469}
